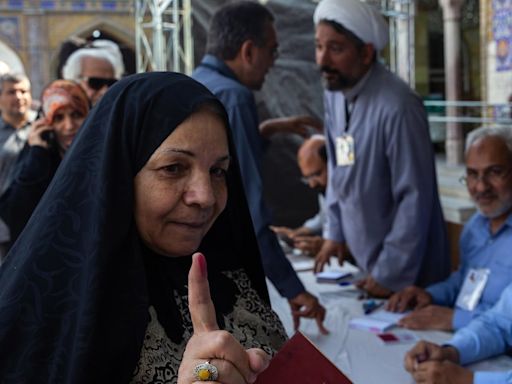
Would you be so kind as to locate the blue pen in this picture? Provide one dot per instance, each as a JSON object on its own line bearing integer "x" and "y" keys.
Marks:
{"x": 371, "y": 305}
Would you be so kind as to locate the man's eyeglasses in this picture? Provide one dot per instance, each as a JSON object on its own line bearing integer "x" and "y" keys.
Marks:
{"x": 491, "y": 175}
{"x": 314, "y": 175}
{"x": 97, "y": 83}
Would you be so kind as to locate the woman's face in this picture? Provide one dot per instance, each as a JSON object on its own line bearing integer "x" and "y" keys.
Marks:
{"x": 66, "y": 123}
{"x": 182, "y": 188}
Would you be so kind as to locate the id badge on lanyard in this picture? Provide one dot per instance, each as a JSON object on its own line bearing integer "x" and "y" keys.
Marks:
{"x": 345, "y": 148}
{"x": 472, "y": 288}
{"x": 345, "y": 151}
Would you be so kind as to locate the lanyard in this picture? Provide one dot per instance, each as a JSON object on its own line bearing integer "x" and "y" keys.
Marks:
{"x": 348, "y": 112}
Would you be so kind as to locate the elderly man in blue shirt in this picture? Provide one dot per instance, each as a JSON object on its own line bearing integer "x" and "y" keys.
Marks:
{"x": 488, "y": 335}
{"x": 485, "y": 243}
{"x": 242, "y": 46}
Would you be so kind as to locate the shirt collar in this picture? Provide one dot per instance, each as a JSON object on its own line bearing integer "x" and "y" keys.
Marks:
{"x": 4, "y": 125}
{"x": 217, "y": 64}
{"x": 31, "y": 117}
{"x": 508, "y": 221}
{"x": 486, "y": 222}
{"x": 353, "y": 92}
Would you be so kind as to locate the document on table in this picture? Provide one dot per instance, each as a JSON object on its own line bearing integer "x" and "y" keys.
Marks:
{"x": 376, "y": 322}
{"x": 333, "y": 277}
{"x": 304, "y": 265}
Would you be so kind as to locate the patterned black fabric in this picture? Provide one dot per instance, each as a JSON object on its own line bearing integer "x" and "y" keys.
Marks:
{"x": 34, "y": 171}
{"x": 73, "y": 294}
{"x": 249, "y": 320}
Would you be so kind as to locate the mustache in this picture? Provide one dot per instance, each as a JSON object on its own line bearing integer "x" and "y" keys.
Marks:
{"x": 484, "y": 195}
{"x": 326, "y": 69}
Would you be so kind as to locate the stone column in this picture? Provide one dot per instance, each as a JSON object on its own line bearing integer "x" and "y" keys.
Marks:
{"x": 404, "y": 28}
{"x": 452, "y": 69}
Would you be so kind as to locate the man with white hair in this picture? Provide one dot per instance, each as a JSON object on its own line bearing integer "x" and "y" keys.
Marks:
{"x": 485, "y": 243}
{"x": 95, "y": 68}
{"x": 382, "y": 197}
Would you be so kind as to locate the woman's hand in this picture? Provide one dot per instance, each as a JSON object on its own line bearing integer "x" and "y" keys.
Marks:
{"x": 37, "y": 129}
{"x": 235, "y": 365}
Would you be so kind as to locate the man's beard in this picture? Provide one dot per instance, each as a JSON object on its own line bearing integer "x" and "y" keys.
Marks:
{"x": 320, "y": 189}
{"x": 339, "y": 82}
{"x": 504, "y": 206}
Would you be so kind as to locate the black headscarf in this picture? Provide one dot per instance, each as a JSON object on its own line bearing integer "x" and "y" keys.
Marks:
{"x": 74, "y": 294}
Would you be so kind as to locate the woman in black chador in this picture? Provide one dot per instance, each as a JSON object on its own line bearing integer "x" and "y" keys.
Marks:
{"x": 95, "y": 289}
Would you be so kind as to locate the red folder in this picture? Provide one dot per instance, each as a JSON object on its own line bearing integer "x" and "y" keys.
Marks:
{"x": 300, "y": 362}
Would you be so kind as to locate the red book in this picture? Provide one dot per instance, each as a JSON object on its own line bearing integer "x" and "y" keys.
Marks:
{"x": 300, "y": 362}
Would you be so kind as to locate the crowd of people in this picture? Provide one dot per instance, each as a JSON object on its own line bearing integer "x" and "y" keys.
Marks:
{"x": 135, "y": 239}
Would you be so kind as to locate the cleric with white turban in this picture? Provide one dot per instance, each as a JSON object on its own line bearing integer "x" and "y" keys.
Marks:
{"x": 382, "y": 202}
{"x": 360, "y": 18}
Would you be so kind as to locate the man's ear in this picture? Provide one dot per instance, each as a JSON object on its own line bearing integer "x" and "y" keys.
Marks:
{"x": 368, "y": 51}
{"x": 246, "y": 51}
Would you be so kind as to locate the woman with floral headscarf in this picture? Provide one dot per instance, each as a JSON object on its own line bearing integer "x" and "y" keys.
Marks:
{"x": 64, "y": 107}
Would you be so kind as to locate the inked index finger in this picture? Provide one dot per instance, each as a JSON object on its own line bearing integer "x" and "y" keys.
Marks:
{"x": 200, "y": 303}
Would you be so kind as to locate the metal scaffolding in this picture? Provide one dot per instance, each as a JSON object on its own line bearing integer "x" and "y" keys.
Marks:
{"x": 163, "y": 36}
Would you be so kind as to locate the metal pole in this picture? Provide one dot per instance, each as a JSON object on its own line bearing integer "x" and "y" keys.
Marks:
{"x": 163, "y": 33}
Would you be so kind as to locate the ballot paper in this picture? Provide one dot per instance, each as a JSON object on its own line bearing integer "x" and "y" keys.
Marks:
{"x": 376, "y": 322}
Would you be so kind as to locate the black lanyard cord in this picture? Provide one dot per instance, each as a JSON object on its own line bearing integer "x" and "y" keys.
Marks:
{"x": 348, "y": 112}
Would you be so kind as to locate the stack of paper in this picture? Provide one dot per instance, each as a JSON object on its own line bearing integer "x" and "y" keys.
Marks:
{"x": 334, "y": 277}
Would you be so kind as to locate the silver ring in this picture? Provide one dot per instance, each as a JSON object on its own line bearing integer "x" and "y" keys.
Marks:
{"x": 206, "y": 371}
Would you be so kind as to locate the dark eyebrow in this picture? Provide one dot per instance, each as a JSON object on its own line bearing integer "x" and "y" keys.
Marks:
{"x": 191, "y": 154}
{"x": 224, "y": 158}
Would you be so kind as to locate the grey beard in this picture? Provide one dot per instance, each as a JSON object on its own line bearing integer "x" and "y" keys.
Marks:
{"x": 506, "y": 207}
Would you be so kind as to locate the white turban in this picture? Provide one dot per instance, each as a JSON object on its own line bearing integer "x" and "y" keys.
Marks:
{"x": 360, "y": 18}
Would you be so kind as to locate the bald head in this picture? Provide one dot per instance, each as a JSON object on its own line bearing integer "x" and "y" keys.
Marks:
{"x": 312, "y": 161}
{"x": 311, "y": 147}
